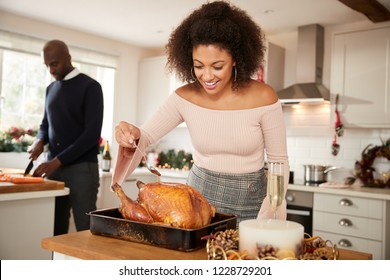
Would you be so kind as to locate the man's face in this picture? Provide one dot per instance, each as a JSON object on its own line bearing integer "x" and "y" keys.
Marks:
{"x": 58, "y": 63}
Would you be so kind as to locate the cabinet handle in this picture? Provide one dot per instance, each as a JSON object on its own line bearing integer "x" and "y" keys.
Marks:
{"x": 345, "y": 243}
{"x": 290, "y": 197}
{"x": 345, "y": 223}
{"x": 345, "y": 202}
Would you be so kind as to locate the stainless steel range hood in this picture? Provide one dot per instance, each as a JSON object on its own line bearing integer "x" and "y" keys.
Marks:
{"x": 310, "y": 60}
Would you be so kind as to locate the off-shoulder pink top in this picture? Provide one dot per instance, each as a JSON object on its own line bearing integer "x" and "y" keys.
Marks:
{"x": 229, "y": 141}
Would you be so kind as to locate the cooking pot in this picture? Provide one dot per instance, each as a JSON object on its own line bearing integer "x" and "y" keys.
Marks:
{"x": 316, "y": 174}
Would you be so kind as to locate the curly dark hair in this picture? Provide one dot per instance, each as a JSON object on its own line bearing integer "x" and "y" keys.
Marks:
{"x": 224, "y": 25}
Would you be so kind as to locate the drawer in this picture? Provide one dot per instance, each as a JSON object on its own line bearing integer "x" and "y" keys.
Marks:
{"x": 353, "y": 243}
{"x": 349, "y": 205}
{"x": 348, "y": 225}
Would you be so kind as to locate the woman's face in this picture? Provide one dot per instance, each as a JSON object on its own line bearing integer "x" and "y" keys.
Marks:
{"x": 213, "y": 67}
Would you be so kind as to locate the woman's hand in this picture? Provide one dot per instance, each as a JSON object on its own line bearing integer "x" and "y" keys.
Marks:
{"x": 127, "y": 135}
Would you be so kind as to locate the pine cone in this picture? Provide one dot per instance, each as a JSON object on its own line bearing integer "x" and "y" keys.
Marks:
{"x": 222, "y": 241}
{"x": 313, "y": 243}
{"x": 309, "y": 256}
{"x": 323, "y": 254}
{"x": 267, "y": 251}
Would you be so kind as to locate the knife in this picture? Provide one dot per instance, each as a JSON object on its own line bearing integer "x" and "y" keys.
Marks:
{"x": 29, "y": 167}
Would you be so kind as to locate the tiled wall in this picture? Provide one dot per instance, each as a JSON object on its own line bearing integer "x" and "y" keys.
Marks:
{"x": 310, "y": 131}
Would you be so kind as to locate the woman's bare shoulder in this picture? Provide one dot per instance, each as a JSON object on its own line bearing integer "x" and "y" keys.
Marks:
{"x": 187, "y": 91}
{"x": 261, "y": 94}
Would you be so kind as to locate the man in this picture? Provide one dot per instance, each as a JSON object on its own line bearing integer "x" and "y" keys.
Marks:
{"x": 71, "y": 127}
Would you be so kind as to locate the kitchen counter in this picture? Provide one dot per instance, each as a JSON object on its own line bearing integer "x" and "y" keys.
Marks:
{"x": 85, "y": 245}
{"x": 167, "y": 173}
{"x": 376, "y": 193}
{"x": 357, "y": 191}
{"x": 26, "y": 217}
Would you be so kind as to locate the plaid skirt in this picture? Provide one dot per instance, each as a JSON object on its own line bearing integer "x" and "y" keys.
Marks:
{"x": 237, "y": 194}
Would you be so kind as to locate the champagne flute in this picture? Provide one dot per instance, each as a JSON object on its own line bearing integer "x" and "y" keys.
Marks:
{"x": 275, "y": 185}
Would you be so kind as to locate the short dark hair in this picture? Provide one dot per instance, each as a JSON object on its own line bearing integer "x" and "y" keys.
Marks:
{"x": 218, "y": 23}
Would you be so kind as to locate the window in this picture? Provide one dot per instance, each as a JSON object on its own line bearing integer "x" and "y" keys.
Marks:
{"x": 23, "y": 83}
{"x": 24, "y": 78}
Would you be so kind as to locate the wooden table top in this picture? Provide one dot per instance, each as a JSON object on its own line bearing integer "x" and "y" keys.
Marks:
{"x": 85, "y": 245}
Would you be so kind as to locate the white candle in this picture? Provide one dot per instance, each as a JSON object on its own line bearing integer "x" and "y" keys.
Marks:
{"x": 287, "y": 236}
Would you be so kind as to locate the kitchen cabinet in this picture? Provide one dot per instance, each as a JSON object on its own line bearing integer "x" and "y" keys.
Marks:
{"x": 354, "y": 223}
{"x": 26, "y": 217}
{"x": 274, "y": 66}
{"x": 361, "y": 76}
{"x": 154, "y": 86}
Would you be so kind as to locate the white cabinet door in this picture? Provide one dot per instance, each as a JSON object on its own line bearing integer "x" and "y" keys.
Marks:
{"x": 274, "y": 66}
{"x": 154, "y": 85}
{"x": 354, "y": 243}
{"x": 361, "y": 77}
{"x": 355, "y": 223}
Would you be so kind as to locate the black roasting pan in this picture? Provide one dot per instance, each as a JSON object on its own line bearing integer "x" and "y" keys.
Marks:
{"x": 109, "y": 222}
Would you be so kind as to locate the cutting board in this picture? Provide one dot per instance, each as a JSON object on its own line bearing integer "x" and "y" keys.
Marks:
{"x": 47, "y": 185}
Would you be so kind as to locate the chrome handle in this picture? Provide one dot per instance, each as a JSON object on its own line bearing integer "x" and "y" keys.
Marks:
{"x": 346, "y": 202}
{"x": 345, "y": 243}
{"x": 345, "y": 223}
{"x": 290, "y": 197}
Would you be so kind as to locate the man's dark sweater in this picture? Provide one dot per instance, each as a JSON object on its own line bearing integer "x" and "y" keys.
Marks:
{"x": 73, "y": 119}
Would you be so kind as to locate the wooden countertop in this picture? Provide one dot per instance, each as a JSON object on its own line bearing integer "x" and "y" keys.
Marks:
{"x": 85, "y": 245}
{"x": 46, "y": 185}
{"x": 9, "y": 187}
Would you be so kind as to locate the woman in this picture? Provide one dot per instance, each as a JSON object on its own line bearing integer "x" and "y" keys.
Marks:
{"x": 232, "y": 119}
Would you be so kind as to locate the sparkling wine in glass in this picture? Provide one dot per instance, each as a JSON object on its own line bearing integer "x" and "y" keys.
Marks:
{"x": 275, "y": 185}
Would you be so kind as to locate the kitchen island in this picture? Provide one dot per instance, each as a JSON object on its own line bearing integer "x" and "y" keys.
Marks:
{"x": 87, "y": 246}
{"x": 27, "y": 216}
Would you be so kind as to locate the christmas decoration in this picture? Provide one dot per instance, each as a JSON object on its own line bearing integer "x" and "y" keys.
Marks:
{"x": 364, "y": 170}
{"x": 179, "y": 160}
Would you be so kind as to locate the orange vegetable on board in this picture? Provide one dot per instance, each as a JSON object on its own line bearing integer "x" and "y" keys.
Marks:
{"x": 5, "y": 178}
{"x": 26, "y": 180}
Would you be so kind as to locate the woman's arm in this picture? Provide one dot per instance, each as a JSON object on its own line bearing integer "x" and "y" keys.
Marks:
{"x": 166, "y": 118}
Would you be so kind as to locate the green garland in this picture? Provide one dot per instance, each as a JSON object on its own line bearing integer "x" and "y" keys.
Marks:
{"x": 364, "y": 170}
{"x": 16, "y": 139}
{"x": 175, "y": 160}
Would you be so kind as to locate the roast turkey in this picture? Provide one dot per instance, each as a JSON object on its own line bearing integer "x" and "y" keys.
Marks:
{"x": 174, "y": 204}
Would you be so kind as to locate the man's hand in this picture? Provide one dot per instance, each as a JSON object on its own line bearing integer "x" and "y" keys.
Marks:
{"x": 47, "y": 168}
{"x": 36, "y": 149}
